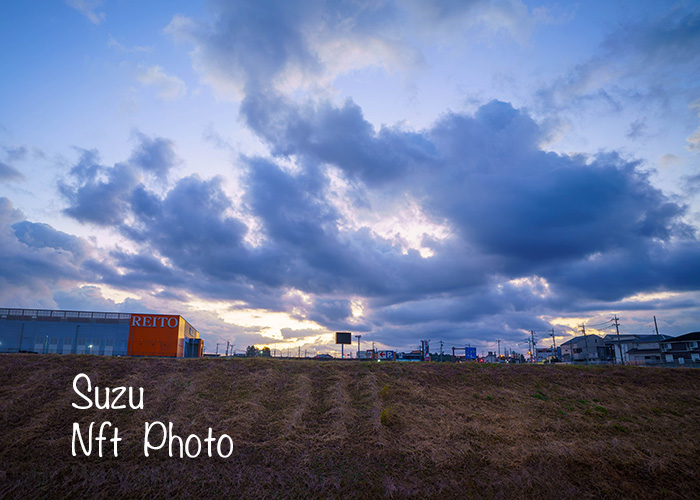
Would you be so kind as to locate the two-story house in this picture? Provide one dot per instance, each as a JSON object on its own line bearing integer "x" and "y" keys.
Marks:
{"x": 635, "y": 349}
{"x": 682, "y": 349}
{"x": 584, "y": 349}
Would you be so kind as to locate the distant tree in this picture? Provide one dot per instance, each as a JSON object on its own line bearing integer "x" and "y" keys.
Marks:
{"x": 265, "y": 352}
{"x": 252, "y": 351}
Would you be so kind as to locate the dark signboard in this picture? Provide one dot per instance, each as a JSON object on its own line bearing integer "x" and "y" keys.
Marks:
{"x": 343, "y": 338}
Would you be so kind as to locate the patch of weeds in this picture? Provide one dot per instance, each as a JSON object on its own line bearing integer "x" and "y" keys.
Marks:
{"x": 600, "y": 409}
{"x": 489, "y": 398}
{"x": 539, "y": 395}
{"x": 596, "y": 400}
{"x": 387, "y": 417}
{"x": 583, "y": 401}
{"x": 385, "y": 391}
{"x": 476, "y": 395}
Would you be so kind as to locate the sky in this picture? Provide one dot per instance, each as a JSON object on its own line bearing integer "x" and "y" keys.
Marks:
{"x": 459, "y": 171}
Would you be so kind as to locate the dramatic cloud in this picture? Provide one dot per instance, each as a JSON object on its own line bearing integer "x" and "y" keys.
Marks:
{"x": 36, "y": 258}
{"x": 102, "y": 195}
{"x": 531, "y": 231}
{"x": 456, "y": 170}
{"x": 284, "y": 46}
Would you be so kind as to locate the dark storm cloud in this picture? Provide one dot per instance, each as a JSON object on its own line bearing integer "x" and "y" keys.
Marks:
{"x": 35, "y": 257}
{"x": 38, "y": 235}
{"x": 340, "y": 136}
{"x": 102, "y": 195}
{"x": 525, "y": 212}
{"x": 249, "y": 47}
{"x": 303, "y": 226}
{"x": 191, "y": 228}
{"x": 154, "y": 155}
{"x": 532, "y": 232}
{"x": 484, "y": 173}
{"x": 655, "y": 266}
{"x": 250, "y": 43}
{"x": 102, "y": 202}
{"x": 330, "y": 311}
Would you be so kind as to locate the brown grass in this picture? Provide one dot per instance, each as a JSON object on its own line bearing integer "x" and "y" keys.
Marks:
{"x": 304, "y": 429}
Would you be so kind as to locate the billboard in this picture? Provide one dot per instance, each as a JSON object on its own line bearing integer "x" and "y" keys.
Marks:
{"x": 385, "y": 355}
{"x": 343, "y": 338}
{"x": 470, "y": 353}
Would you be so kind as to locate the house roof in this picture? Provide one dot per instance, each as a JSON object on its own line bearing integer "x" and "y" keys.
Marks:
{"x": 687, "y": 336}
{"x": 580, "y": 339}
{"x": 610, "y": 339}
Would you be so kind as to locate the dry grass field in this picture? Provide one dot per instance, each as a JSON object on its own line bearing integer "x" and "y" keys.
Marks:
{"x": 309, "y": 429}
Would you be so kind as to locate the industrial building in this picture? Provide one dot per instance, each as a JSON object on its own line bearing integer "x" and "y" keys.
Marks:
{"x": 109, "y": 334}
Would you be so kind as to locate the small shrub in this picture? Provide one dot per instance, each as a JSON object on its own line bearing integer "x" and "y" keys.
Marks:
{"x": 387, "y": 417}
{"x": 385, "y": 391}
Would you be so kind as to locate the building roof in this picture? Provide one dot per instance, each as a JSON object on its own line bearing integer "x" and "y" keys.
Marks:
{"x": 580, "y": 339}
{"x": 687, "y": 336}
{"x": 639, "y": 338}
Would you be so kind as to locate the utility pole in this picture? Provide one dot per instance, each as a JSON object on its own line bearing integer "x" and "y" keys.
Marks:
{"x": 658, "y": 338}
{"x": 554, "y": 346}
{"x": 529, "y": 347}
{"x": 532, "y": 352}
{"x": 359, "y": 339}
{"x": 585, "y": 341}
{"x": 499, "y": 348}
{"x": 441, "y": 350}
{"x": 619, "y": 345}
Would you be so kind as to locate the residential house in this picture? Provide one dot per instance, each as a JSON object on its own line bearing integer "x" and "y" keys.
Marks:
{"x": 546, "y": 353}
{"x": 584, "y": 349}
{"x": 635, "y": 349}
{"x": 682, "y": 349}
